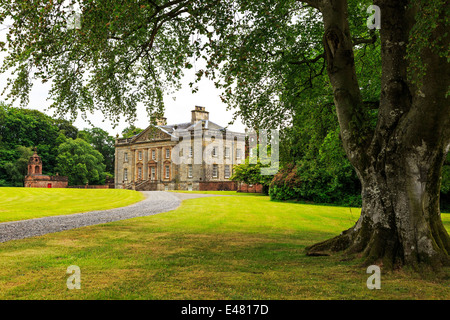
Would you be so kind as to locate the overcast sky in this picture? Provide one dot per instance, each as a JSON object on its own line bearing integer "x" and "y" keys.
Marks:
{"x": 178, "y": 105}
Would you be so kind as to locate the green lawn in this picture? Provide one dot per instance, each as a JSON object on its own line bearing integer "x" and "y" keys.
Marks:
{"x": 244, "y": 247}
{"x": 27, "y": 203}
{"x": 226, "y": 193}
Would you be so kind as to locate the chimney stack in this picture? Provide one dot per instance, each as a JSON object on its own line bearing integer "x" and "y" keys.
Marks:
{"x": 159, "y": 119}
{"x": 198, "y": 114}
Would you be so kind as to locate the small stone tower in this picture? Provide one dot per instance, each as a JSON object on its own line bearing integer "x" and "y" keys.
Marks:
{"x": 35, "y": 178}
{"x": 34, "y": 164}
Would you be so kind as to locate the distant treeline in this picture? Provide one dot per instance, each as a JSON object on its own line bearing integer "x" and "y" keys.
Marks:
{"x": 85, "y": 156}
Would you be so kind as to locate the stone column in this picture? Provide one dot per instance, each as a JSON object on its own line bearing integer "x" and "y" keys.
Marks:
{"x": 145, "y": 159}
{"x": 133, "y": 165}
{"x": 116, "y": 167}
{"x": 159, "y": 165}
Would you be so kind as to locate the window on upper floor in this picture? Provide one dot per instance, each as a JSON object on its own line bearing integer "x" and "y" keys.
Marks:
{"x": 214, "y": 152}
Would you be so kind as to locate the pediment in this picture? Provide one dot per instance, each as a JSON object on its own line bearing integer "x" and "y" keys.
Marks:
{"x": 152, "y": 133}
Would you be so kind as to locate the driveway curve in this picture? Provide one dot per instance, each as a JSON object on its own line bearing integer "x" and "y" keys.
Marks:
{"x": 155, "y": 202}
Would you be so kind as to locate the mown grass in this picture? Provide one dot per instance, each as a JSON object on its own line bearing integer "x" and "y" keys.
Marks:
{"x": 245, "y": 247}
{"x": 225, "y": 193}
{"x": 27, "y": 203}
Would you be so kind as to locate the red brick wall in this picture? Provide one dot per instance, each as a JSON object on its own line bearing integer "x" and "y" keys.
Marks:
{"x": 42, "y": 181}
{"x": 218, "y": 186}
{"x": 250, "y": 188}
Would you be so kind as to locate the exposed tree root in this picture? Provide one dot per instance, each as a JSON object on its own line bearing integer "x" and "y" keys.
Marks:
{"x": 382, "y": 247}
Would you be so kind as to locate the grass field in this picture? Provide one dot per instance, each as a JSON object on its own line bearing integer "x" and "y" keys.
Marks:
{"x": 27, "y": 203}
{"x": 225, "y": 193}
{"x": 242, "y": 247}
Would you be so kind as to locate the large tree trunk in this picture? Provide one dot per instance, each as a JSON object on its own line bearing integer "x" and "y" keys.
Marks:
{"x": 400, "y": 222}
{"x": 399, "y": 164}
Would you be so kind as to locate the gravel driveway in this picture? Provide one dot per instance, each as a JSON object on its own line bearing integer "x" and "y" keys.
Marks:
{"x": 155, "y": 202}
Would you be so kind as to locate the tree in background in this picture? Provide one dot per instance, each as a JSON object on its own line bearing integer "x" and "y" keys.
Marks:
{"x": 78, "y": 160}
{"x": 17, "y": 170}
{"x": 35, "y": 129}
{"x": 314, "y": 164}
{"x": 103, "y": 143}
{"x": 28, "y": 128}
{"x": 131, "y": 131}
{"x": 249, "y": 172}
{"x": 67, "y": 128}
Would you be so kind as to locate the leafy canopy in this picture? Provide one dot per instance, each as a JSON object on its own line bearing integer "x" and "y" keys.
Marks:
{"x": 78, "y": 160}
{"x": 262, "y": 54}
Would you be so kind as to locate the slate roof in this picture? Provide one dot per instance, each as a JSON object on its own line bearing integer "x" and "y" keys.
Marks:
{"x": 180, "y": 127}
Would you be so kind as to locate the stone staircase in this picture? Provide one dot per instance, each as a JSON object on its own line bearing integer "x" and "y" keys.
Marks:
{"x": 146, "y": 185}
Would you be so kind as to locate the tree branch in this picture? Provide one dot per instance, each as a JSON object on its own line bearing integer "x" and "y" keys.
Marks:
{"x": 312, "y": 3}
{"x": 355, "y": 41}
{"x": 372, "y": 40}
{"x": 313, "y": 60}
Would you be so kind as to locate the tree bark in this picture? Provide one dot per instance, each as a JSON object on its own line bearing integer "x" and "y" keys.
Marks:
{"x": 400, "y": 162}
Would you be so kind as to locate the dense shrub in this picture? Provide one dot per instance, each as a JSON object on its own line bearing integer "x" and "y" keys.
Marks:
{"x": 306, "y": 182}
{"x": 301, "y": 183}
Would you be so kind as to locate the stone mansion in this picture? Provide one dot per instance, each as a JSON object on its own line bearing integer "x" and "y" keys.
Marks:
{"x": 195, "y": 155}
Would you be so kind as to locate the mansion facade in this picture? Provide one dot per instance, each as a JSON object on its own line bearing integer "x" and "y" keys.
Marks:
{"x": 195, "y": 155}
